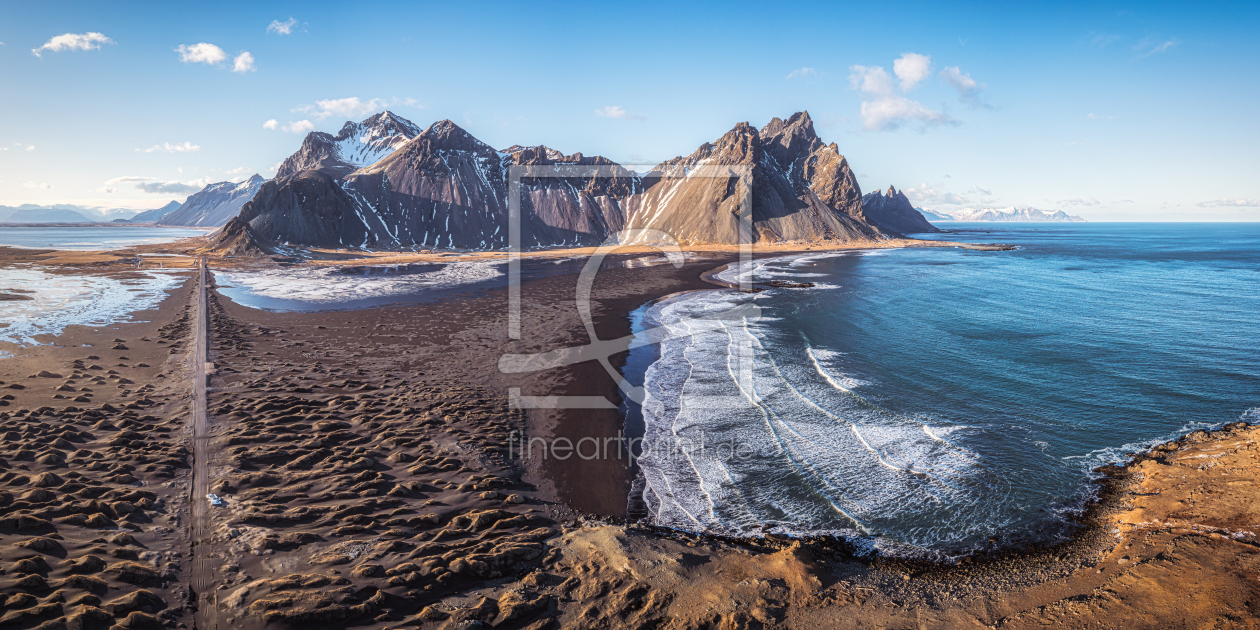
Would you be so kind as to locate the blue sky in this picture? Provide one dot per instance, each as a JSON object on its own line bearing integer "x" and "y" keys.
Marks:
{"x": 1115, "y": 112}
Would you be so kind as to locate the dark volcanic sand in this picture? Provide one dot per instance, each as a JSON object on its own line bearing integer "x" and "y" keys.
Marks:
{"x": 362, "y": 458}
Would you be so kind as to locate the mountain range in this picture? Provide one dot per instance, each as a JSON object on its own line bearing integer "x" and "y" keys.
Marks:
{"x": 1012, "y": 215}
{"x": 214, "y": 205}
{"x": 442, "y": 187}
{"x": 62, "y": 213}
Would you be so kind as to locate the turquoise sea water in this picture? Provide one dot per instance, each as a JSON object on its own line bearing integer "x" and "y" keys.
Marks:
{"x": 935, "y": 401}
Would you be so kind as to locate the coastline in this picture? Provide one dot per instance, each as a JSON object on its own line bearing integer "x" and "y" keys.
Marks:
{"x": 406, "y": 403}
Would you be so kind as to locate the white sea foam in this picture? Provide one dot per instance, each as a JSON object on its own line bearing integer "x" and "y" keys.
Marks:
{"x": 328, "y": 285}
{"x": 61, "y": 300}
{"x": 739, "y": 433}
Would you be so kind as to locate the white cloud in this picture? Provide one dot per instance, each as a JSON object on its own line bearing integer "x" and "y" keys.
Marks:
{"x": 170, "y": 187}
{"x": 41, "y": 186}
{"x": 73, "y": 41}
{"x": 240, "y": 170}
{"x": 243, "y": 62}
{"x": 871, "y": 79}
{"x": 979, "y": 191}
{"x": 271, "y": 124}
{"x": 912, "y": 68}
{"x": 968, "y": 89}
{"x": 301, "y": 126}
{"x": 616, "y": 111}
{"x": 167, "y": 147}
{"x": 201, "y": 53}
{"x": 802, "y": 72}
{"x": 1154, "y": 46}
{"x": 152, "y": 185}
{"x": 352, "y": 107}
{"x": 282, "y": 28}
{"x": 1228, "y": 202}
{"x": 30, "y": 148}
{"x": 886, "y": 110}
{"x": 887, "y": 113}
{"x": 926, "y": 194}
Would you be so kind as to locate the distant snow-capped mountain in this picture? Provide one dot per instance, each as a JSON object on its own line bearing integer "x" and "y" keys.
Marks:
{"x": 1007, "y": 215}
{"x": 214, "y": 205}
{"x": 934, "y": 216}
{"x": 156, "y": 213}
{"x": 358, "y": 144}
{"x": 62, "y": 213}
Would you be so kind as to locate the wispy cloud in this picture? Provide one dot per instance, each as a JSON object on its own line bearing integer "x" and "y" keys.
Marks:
{"x": 30, "y": 147}
{"x": 73, "y": 41}
{"x": 912, "y": 68}
{"x": 243, "y": 62}
{"x": 1077, "y": 201}
{"x": 153, "y": 185}
{"x": 930, "y": 195}
{"x": 300, "y": 126}
{"x": 201, "y": 53}
{"x": 282, "y": 28}
{"x": 39, "y": 186}
{"x": 1230, "y": 202}
{"x": 271, "y": 124}
{"x": 167, "y": 147}
{"x": 1154, "y": 45}
{"x": 802, "y": 72}
{"x": 351, "y": 107}
{"x": 240, "y": 170}
{"x": 968, "y": 88}
{"x": 616, "y": 111}
{"x": 885, "y": 110}
{"x": 1102, "y": 40}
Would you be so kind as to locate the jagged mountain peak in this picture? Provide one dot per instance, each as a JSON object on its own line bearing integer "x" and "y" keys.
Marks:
{"x": 357, "y": 145}
{"x": 792, "y": 139}
{"x": 891, "y": 210}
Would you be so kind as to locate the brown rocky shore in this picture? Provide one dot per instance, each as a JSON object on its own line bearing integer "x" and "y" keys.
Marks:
{"x": 367, "y": 482}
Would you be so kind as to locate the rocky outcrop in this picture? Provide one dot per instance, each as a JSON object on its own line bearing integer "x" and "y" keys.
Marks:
{"x": 802, "y": 190}
{"x": 355, "y": 146}
{"x": 214, "y": 205}
{"x": 443, "y": 188}
{"x": 893, "y": 212}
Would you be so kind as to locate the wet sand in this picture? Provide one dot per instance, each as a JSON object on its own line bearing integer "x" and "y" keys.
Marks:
{"x": 367, "y": 482}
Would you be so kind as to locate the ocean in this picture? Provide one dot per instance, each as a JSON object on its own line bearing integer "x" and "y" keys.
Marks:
{"x": 933, "y": 402}
{"x": 90, "y": 238}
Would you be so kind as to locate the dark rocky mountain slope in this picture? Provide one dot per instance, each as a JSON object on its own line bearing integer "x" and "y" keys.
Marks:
{"x": 892, "y": 211}
{"x": 443, "y": 188}
{"x": 802, "y": 190}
